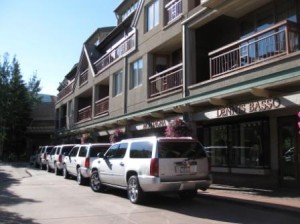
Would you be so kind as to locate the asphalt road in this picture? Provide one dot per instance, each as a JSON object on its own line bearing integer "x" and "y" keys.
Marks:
{"x": 29, "y": 195}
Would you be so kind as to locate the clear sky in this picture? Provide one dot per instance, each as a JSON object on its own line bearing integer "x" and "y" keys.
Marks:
{"x": 46, "y": 36}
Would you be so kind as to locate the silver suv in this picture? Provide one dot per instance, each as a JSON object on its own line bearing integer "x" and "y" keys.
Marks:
{"x": 56, "y": 157}
{"x": 77, "y": 162}
{"x": 153, "y": 164}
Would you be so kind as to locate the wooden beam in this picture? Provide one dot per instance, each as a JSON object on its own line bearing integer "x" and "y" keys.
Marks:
{"x": 157, "y": 115}
{"x": 260, "y": 92}
{"x": 218, "y": 101}
{"x": 183, "y": 109}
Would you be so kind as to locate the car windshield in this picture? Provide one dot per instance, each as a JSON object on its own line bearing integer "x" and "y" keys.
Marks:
{"x": 96, "y": 149}
{"x": 173, "y": 149}
{"x": 65, "y": 150}
{"x": 49, "y": 148}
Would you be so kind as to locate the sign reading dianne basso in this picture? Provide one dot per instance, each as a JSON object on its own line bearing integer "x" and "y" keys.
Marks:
{"x": 252, "y": 107}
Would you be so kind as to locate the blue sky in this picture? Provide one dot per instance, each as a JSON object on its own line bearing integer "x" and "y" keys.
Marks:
{"x": 46, "y": 36}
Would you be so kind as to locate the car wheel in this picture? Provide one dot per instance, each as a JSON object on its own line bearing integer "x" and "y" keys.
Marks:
{"x": 187, "y": 194}
{"x": 56, "y": 170}
{"x": 80, "y": 178}
{"x": 65, "y": 172}
{"x": 95, "y": 182}
{"x": 134, "y": 191}
{"x": 48, "y": 168}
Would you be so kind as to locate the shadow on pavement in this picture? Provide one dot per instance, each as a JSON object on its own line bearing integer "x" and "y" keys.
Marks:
{"x": 7, "y": 198}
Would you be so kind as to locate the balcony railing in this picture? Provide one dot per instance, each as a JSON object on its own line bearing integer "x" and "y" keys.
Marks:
{"x": 83, "y": 77}
{"x": 174, "y": 10}
{"x": 116, "y": 53}
{"x": 85, "y": 114}
{"x": 278, "y": 40}
{"x": 101, "y": 106}
{"x": 166, "y": 81}
{"x": 65, "y": 91}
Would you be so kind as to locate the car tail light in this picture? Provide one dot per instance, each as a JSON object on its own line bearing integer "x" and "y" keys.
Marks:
{"x": 154, "y": 167}
{"x": 60, "y": 158}
{"x": 87, "y": 163}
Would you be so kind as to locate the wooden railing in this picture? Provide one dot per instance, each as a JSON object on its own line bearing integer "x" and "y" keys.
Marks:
{"x": 174, "y": 10}
{"x": 281, "y": 39}
{"x": 84, "y": 114}
{"x": 83, "y": 77}
{"x": 166, "y": 81}
{"x": 65, "y": 91}
{"x": 102, "y": 106}
{"x": 117, "y": 52}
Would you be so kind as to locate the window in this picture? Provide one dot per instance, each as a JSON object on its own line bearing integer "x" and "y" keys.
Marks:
{"x": 136, "y": 73}
{"x": 83, "y": 151}
{"x": 116, "y": 151}
{"x": 141, "y": 150}
{"x": 117, "y": 83}
{"x": 152, "y": 15}
{"x": 242, "y": 145}
{"x": 74, "y": 151}
{"x": 94, "y": 150}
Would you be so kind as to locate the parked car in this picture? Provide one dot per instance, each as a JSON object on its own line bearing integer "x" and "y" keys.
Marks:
{"x": 153, "y": 164}
{"x": 77, "y": 162}
{"x": 43, "y": 155}
{"x": 56, "y": 157}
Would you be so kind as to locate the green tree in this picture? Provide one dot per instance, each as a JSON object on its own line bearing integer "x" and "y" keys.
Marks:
{"x": 17, "y": 101}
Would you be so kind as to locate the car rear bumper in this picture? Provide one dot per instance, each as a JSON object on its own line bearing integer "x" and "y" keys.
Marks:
{"x": 153, "y": 184}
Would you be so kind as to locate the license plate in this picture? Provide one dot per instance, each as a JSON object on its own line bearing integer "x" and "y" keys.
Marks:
{"x": 186, "y": 169}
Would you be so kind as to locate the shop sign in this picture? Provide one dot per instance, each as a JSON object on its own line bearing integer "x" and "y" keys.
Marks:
{"x": 155, "y": 124}
{"x": 256, "y": 106}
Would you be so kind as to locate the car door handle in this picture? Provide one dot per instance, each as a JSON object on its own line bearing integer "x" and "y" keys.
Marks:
{"x": 121, "y": 164}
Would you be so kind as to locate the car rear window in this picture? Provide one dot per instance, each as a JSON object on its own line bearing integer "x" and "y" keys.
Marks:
{"x": 186, "y": 149}
{"x": 141, "y": 150}
{"x": 96, "y": 149}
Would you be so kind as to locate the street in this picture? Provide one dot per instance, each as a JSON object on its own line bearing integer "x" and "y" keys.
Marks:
{"x": 29, "y": 195}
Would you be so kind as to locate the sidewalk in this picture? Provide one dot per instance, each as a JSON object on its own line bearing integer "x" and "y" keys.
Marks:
{"x": 283, "y": 199}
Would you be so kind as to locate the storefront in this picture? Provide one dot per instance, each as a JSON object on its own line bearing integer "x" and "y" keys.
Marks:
{"x": 254, "y": 143}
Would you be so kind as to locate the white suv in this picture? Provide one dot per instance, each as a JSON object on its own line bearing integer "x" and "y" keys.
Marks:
{"x": 153, "y": 164}
{"x": 56, "y": 157}
{"x": 77, "y": 162}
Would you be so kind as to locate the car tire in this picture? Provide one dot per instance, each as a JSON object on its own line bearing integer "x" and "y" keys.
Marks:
{"x": 80, "y": 179}
{"x": 48, "y": 168}
{"x": 95, "y": 182}
{"x": 187, "y": 194}
{"x": 65, "y": 172}
{"x": 56, "y": 170}
{"x": 134, "y": 192}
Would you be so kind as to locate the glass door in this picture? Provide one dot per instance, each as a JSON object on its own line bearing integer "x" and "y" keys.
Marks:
{"x": 288, "y": 141}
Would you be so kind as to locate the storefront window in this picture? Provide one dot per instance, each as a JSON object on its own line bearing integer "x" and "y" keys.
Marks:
{"x": 240, "y": 145}
{"x": 218, "y": 149}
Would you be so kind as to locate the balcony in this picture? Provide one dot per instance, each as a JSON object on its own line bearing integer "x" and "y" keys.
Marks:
{"x": 174, "y": 10}
{"x": 84, "y": 114}
{"x": 166, "y": 81}
{"x": 119, "y": 50}
{"x": 65, "y": 91}
{"x": 83, "y": 78}
{"x": 101, "y": 107}
{"x": 278, "y": 40}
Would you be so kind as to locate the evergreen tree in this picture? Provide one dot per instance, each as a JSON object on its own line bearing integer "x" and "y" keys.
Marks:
{"x": 17, "y": 100}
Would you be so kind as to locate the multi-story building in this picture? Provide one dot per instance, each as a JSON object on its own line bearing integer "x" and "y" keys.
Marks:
{"x": 229, "y": 68}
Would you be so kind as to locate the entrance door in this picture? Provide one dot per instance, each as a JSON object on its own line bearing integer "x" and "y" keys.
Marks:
{"x": 288, "y": 141}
